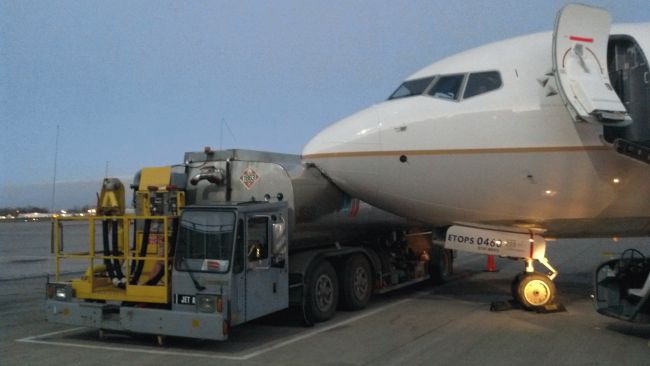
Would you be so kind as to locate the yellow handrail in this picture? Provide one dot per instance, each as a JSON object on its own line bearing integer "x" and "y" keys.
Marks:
{"x": 131, "y": 292}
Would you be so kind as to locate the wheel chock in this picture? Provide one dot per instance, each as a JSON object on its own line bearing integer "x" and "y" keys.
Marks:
{"x": 497, "y": 306}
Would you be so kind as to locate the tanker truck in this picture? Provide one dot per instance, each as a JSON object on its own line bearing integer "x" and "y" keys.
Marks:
{"x": 230, "y": 236}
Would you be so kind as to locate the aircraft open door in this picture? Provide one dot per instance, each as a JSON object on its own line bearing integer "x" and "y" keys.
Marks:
{"x": 580, "y": 62}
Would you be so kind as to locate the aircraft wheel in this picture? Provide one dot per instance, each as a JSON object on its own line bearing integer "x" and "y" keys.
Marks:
{"x": 356, "y": 283}
{"x": 322, "y": 293}
{"x": 441, "y": 264}
{"x": 534, "y": 290}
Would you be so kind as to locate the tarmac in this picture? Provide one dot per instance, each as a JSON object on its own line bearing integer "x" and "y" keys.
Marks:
{"x": 434, "y": 325}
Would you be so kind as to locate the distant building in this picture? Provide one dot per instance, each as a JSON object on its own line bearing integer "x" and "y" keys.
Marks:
{"x": 34, "y": 215}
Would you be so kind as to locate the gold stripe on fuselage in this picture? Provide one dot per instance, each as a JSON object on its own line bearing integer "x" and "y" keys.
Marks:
{"x": 506, "y": 150}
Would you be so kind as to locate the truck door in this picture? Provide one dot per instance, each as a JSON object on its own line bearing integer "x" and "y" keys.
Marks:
{"x": 580, "y": 62}
{"x": 267, "y": 274}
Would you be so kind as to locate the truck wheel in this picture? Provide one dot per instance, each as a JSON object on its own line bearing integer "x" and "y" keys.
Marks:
{"x": 441, "y": 264}
{"x": 356, "y": 283}
{"x": 535, "y": 290}
{"x": 322, "y": 293}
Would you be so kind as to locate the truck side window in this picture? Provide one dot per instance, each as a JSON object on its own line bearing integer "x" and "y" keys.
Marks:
{"x": 257, "y": 245}
{"x": 280, "y": 241}
{"x": 238, "y": 263}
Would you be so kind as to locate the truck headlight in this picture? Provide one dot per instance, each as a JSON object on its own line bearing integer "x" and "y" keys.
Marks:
{"x": 59, "y": 292}
{"x": 206, "y": 303}
{"x": 209, "y": 303}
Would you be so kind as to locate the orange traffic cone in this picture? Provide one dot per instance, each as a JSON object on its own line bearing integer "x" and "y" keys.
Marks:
{"x": 491, "y": 264}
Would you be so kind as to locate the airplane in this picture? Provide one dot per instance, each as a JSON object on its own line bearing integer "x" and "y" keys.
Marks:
{"x": 540, "y": 136}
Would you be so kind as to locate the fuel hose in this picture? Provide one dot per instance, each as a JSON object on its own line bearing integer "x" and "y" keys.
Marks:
{"x": 143, "y": 252}
{"x": 117, "y": 266}
{"x": 107, "y": 252}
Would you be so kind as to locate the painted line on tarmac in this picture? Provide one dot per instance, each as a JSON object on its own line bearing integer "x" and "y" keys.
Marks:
{"x": 324, "y": 329}
{"x": 28, "y": 339}
{"x": 132, "y": 350}
{"x": 37, "y": 339}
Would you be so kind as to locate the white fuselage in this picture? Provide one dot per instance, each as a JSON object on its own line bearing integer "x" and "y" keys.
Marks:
{"x": 511, "y": 156}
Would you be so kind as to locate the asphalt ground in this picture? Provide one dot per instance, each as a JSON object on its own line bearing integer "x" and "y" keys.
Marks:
{"x": 434, "y": 325}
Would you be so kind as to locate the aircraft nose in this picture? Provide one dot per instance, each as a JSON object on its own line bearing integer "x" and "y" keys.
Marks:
{"x": 354, "y": 134}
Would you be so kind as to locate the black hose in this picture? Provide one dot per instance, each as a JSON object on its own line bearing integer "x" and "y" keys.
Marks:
{"x": 154, "y": 280}
{"x": 170, "y": 253}
{"x": 107, "y": 252}
{"x": 143, "y": 252}
{"x": 117, "y": 266}
{"x": 133, "y": 247}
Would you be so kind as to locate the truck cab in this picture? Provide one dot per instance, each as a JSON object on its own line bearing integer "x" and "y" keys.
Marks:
{"x": 232, "y": 261}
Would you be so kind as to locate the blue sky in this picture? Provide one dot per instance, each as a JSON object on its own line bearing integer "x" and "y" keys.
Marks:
{"x": 138, "y": 83}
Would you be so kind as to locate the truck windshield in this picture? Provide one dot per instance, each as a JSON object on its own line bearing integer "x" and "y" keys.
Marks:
{"x": 205, "y": 241}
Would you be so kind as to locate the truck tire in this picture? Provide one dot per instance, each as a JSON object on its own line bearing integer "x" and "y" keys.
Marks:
{"x": 441, "y": 264}
{"x": 322, "y": 295}
{"x": 356, "y": 284}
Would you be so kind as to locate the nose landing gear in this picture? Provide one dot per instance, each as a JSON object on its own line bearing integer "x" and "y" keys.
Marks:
{"x": 535, "y": 290}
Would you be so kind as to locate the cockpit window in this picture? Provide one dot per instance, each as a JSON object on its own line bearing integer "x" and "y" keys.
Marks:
{"x": 412, "y": 87}
{"x": 447, "y": 87}
{"x": 482, "y": 82}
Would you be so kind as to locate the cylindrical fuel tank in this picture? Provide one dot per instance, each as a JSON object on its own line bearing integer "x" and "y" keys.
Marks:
{"x": 320, "y": 213}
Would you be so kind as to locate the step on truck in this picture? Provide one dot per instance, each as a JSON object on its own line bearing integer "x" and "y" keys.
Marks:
{"x": 230, "y": 236}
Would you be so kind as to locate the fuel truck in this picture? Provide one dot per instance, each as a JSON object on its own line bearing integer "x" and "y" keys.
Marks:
{"x": 230, "y": 236}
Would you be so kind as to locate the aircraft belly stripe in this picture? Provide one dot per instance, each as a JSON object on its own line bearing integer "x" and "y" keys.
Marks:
{"x": 506, "y": 150}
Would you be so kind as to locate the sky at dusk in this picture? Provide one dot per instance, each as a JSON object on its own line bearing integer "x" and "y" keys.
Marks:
{"x": 139, "y": 83}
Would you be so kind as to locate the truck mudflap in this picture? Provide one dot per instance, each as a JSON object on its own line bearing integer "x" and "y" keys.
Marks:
{"x": 211, "y": 326}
